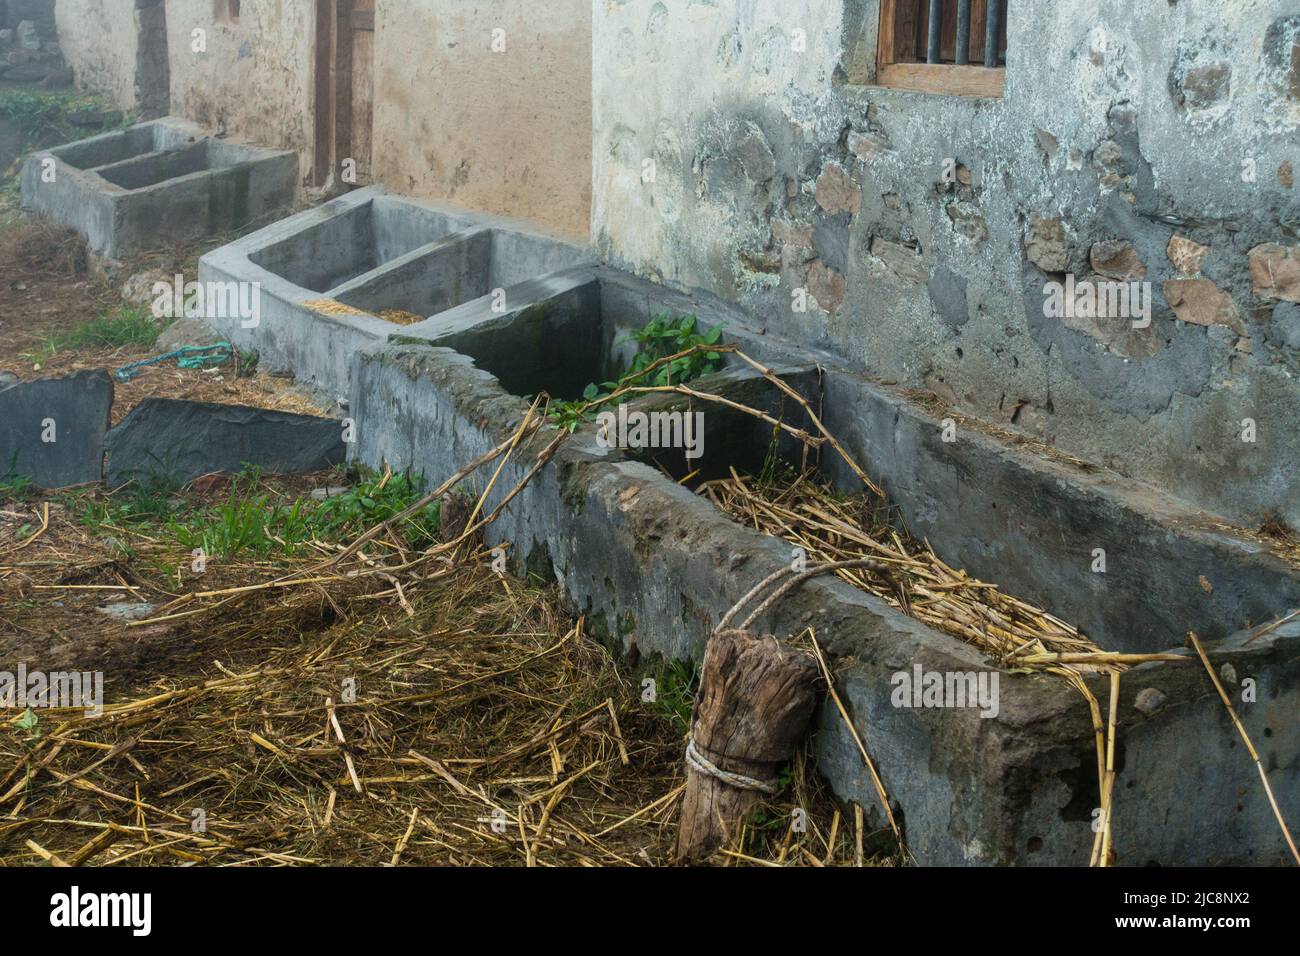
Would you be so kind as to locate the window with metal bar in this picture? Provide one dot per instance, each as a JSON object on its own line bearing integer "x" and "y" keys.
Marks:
{"x": 943, "y": 46}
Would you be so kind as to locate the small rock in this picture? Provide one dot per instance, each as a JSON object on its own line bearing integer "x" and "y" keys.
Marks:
{"x": 1229, "y": 675}
{"x": 1186, "y": 256}
{"x": 1117, "y": 259}
{"x": 127, "y": 611}
{"x": 334, "y": 491}
{"x": 1284, "y": 327}
{"x": 1046, "y": 245}
{"x": 1202, "y": 87}
{"x": 1149, "y": 700}
{"x": 207, "y": 484}
{"x": 1201, "y": 302}
{"x": 867, "y": 146}
{"x": 836, "y": 190}
{"x": 138, "y": 290}
{"x": 968, "y": 222}
{"x": 28, "y": 36}
{"x": 826, "y": 285}
{"x": 1275, "y": 271}
{"x": 184, "y": 332}
{"x": 904, "y": 262}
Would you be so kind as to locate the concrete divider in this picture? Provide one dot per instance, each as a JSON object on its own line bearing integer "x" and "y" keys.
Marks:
{"x": 649, "y": 562}
{"x": 155, "y": 185}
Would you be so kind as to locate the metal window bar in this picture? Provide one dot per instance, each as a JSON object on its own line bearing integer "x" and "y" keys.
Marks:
{"x": 993, "y": 32}
{"x": 936, "y": 32}
{"x": 963, "y": 32}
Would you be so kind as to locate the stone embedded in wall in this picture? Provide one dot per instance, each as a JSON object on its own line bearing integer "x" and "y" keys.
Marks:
{"x": 29, "y": 38}
{"x": 1186, "y": 256}
{"x": 1046, "y": 244}
{"x": 826, "y": 285}
{"x": 1293, "y": 75}
{"x": 1117, "y": 259}
{"x": 1285, "y": 172}
{"x": 1283, "y": 328}
{"x": 755, "y": 154}
{"x": 836, "y": 190}
{"x": 902, "y": 261}
{"x": 1275, "y": 271}
{"x": 1108, "y": 160}
{"x": 1048, "y": 145}
{"x": 1112, "y": 329}
{"x": 867, "y": 146}
{"x": 1203, "y": 87}
{"x": 948, "y": 296}
{"x": 967, "y": 221}
{"x": 1201, "y": 302}
{"x": 794, "y": 241}
{"x": 1282, "y": 54}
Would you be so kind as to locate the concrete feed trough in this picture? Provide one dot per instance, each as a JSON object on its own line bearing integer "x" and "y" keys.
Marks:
{"x": 328, "y": 276}
{"x": 155, "y": 185}
{"x": 648, "y": 561}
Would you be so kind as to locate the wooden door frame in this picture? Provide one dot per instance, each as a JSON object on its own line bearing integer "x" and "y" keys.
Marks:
{"x": 323, "y": 156}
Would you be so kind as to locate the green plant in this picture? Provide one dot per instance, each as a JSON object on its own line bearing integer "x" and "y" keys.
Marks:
{"x": 252, "y": 520}
{"x": 371, "y": 501}
{"x": 28, "y": 721}
{"x": 14, "y": 487}
{"x": 662, "y": 336}
{"x": 126, "y": 326}
{"x": 675, "y": 686}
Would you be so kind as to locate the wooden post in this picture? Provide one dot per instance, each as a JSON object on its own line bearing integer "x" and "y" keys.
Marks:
{"x": 754, "y": 706}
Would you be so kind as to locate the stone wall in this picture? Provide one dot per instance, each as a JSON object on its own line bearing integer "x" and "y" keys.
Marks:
{"x": 29, "y": 47}
{"x": 1151, "y": 141}
{"x": 494, "y": 121}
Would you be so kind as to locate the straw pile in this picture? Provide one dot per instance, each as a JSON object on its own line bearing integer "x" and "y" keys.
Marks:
{"x": 801, "y": 509}
{"x": 487, "y": 728}
{"x": 833, "y": 528}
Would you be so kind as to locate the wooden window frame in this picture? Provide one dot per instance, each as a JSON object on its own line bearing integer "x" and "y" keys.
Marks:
{"x": 898, "y": 22}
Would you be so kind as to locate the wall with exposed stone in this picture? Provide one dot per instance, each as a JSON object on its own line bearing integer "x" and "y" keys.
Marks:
{"x": 28, "y": 34}
{"x": 1155, "y": 142}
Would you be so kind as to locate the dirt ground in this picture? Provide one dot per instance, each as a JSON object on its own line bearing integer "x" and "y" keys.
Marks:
{"x": 48, "y": 290}
{"x": 396, "y": 708}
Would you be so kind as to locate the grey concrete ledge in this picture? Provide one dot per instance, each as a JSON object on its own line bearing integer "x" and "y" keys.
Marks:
{"x": 648, "y": 561}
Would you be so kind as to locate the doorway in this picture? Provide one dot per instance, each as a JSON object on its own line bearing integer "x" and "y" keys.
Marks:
{"x": 345, "y": 84}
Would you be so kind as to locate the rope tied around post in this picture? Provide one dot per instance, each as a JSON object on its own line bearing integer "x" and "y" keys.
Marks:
{"x": 754, "y": 707}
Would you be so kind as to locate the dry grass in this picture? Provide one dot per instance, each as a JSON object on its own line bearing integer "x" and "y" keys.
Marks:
{"x": 801, "y": 509}
{"x": 487, "y": 727}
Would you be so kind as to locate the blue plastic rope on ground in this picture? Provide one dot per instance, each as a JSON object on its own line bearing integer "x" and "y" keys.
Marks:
{"x": 187, "y": 356}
